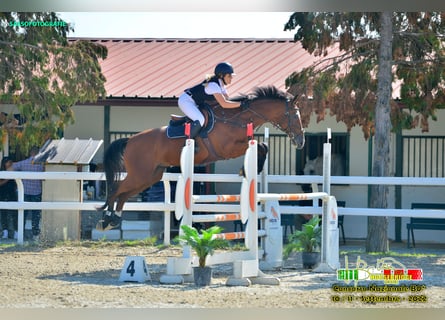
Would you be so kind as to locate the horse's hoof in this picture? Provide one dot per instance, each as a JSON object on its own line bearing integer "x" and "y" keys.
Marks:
{"x": 109, "y": 221}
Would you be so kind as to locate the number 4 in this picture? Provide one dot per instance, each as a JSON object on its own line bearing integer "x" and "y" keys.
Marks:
{"x": 130, "y": 269}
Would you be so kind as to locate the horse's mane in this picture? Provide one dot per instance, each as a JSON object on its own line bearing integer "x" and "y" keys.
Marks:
{"x": 265, "y": 92}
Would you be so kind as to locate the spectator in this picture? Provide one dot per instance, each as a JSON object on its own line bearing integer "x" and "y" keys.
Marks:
{"x": 8, "y": 192}
{"x": 32, "y": 189}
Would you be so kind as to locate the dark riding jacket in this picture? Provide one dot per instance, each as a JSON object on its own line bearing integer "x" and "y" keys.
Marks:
{"x": 198, "y": 92}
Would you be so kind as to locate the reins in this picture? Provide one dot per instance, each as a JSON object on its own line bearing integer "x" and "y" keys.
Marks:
{"x": 287, "y": 114}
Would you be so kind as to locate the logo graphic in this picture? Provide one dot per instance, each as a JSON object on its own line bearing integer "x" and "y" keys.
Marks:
{"x": 388, "y": 270}
{"x": 274, "y": 213}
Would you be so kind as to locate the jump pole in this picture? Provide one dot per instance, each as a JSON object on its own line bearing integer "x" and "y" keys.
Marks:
{"x": 329, "y": 261}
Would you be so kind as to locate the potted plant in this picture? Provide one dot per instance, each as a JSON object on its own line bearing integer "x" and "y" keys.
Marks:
{"x": 204, "y": 244}
{"x": 308, "y": 241}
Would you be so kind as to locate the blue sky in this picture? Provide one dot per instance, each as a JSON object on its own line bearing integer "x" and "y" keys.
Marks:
{"x": 179, "y": 24}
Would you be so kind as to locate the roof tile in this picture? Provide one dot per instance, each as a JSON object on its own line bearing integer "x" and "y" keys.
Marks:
{"x": 165, "y": 67}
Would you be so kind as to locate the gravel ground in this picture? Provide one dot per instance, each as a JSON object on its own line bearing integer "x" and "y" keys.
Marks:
{"x": 86, "y": 275}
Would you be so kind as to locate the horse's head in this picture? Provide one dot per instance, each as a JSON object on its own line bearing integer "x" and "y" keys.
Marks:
{"x": 295, "y": 129}
{"x": 309, "y": 167}
{"x": 279, "y": 109}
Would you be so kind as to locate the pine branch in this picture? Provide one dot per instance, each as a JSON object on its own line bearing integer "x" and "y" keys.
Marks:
{"x": 16, "y": 44}
{"x": 419, "y": 34}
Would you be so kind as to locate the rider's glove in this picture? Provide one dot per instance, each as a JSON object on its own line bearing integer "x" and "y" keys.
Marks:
{"x": 244, "y": 104}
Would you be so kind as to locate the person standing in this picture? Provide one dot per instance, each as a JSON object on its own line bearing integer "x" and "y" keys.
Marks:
{"x": 8, "y": 192}
{"x": 32, "y": 189}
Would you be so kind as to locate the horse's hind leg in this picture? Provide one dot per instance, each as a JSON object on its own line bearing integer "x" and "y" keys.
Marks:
{"x": 109, "y": 219}
{"x": 131, "y": 188}
{"x": 131, "y": 185}
{"x": 123, "y": 197}
{"x": 112, "y": 219}
{"x": 109, "y": 203}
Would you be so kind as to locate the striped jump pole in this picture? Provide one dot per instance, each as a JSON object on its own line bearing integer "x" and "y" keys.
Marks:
{"x": 292, "y": 196}
{"x": 222, "y": 217}
{"x": 217, "y": 198}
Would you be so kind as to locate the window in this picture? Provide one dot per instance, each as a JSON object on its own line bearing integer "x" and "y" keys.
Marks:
{"x": 423, "y": 156}
{"x": 285, "y": 159}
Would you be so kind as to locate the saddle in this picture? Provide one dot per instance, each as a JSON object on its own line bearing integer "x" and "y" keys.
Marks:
{"x": 176, "y": 126}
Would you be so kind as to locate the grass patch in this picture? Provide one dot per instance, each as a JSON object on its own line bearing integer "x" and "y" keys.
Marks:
{"x": 7, "y": 245}
{"x": 105, "y": 243}
{"x": 238, "y": 247}
{"x": 102, "y": 243}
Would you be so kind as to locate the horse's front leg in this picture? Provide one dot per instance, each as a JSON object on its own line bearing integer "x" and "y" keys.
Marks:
{"x": 263, "y": 149}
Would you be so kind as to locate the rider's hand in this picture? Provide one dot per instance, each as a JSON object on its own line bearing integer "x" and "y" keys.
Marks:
{"x": 244, "y": 104}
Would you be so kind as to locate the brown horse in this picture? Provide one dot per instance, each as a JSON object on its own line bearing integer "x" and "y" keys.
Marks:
{"x": 147, "y": 154}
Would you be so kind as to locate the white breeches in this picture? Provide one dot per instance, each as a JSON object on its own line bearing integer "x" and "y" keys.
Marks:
{"x": 190, "y": 108}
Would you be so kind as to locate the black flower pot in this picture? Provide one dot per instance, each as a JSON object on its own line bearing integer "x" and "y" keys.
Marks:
{"x": 202, "y": 276}
{"x": 310, "y": 259}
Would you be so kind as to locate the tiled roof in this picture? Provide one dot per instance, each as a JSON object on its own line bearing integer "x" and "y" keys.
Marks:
{"x": 165, "y": 67}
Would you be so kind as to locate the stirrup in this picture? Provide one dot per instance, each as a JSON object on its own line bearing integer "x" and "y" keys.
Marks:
{"x": 109, "y": 221}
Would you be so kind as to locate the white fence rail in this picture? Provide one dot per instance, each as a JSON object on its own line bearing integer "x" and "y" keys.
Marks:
{"x": 364, "y": 180}
{"x": 167, "y": 207}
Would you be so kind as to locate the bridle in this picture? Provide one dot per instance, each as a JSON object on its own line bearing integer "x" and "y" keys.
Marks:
{"x": 288, "y": 114}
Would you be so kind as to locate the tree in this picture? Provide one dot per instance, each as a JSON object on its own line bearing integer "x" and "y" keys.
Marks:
{"x": 377, "y": 239}
{"x": 375, "y": 51}
{"x": 44, "y": 75}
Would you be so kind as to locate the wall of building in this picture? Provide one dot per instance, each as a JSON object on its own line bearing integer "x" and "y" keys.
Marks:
{"x": 89, "y": 123}
{"x": 139, "y": 118}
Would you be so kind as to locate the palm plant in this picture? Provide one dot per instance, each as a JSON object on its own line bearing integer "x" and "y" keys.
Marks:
{"x": 203, "y": 244}
{"x": 308, "y": 239}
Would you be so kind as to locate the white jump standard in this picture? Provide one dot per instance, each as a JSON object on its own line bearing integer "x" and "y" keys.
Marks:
{"x": 268, "y": 256}
{"x": 245, "y": 263}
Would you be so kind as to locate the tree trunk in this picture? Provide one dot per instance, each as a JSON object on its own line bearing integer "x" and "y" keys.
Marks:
{"x": 377, "y": 239}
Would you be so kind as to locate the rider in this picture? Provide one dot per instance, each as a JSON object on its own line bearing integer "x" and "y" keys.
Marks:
{"x": 211, "y": 89}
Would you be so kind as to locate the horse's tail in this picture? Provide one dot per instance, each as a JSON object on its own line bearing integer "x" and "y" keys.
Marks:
{"x": 113, "y": 166}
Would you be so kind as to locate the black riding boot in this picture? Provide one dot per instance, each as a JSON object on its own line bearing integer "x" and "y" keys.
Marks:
{"x": 194, "y": 130}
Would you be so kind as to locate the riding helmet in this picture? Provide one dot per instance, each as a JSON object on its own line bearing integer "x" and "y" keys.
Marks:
{"x": 223, "y": 68}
